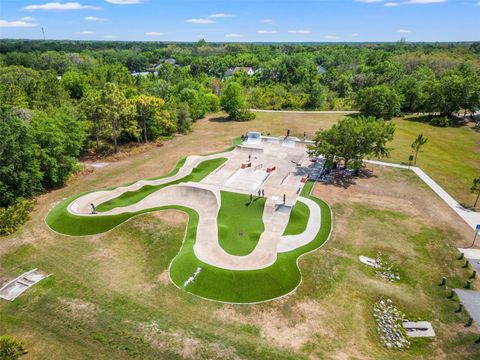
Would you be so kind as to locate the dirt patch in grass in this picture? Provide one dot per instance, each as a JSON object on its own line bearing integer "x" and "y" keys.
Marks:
{"x": 78, "y": 309}
{"x": 163, "y": 278}
{"x": 184, "y": 344}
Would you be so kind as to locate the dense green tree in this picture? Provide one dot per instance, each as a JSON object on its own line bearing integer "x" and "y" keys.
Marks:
{"x": 115, "y": 108}
{"x": 352, "y": 139}
{"x": 59, "y": 138}
{"x": 233, "y": 102}
{"x": 380, "y": 101}
{"x": 75, "y": 83}
{"x": 20, "y": 174}
{"x": 184, "y": 119}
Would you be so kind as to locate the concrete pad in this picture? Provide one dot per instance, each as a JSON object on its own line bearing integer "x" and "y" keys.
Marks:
{"x": 16, "y": 287}
{"x": 418, "y": 329}
{"x": 471, "y": 301}
{"x": 368, "y": 261}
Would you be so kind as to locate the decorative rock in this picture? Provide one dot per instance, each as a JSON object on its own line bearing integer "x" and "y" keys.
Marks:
{"x": 389, "y": 325}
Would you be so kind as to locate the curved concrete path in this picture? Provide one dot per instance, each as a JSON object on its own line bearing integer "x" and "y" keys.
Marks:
{"x": 206, "y": 201}
{"x": 472, "y": 218}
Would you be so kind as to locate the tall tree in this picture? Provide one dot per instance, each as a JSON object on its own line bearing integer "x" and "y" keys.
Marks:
{"x": 58, "y": 138}
{"x": 20, "y": 174}
{"x": 116, "y": 108}
{"x": 351, "y": 140}
{"x": 417, "y": 145}
{"x": 148, "y": 109}
{"x": 233, "y": 102}
{"x": 381, "y": 101}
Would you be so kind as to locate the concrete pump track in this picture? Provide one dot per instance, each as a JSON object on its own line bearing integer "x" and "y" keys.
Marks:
{"x": 270, "y": 170}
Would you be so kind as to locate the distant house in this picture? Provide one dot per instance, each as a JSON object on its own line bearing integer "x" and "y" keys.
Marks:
{"x": 143, "y": 73}
{"x": 320, "y": 69}
{"x": 249, "y": 70}
{"x": 170, "y": 61}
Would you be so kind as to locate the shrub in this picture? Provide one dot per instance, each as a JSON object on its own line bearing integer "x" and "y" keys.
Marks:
{"x": 10, "y": 348}
{"x": 15, "y": 215}
{"x": 441, "y": 121}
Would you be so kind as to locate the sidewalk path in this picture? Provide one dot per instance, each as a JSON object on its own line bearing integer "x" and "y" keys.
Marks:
{"x": 306, "y": 112}
{"x": 472, "y": 218}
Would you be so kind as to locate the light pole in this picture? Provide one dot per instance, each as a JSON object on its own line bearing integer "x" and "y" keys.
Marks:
{"x": 477, "y": 230}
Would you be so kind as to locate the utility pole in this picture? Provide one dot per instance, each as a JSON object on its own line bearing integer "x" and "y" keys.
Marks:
{"x": 43, "y": 32}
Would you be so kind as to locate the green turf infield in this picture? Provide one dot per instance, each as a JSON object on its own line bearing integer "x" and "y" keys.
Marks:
{"x": 298, "y": 219}
{"x": 245, "y": 286}
{"x": 239, "y": 234}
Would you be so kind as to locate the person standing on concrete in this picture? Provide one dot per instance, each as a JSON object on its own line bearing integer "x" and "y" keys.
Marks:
{"x": 94, "y": 209}
{"x": 263, "y": 192}
{"x": 259, "y": 192}
{"x": 284, "y": 199}
{"x": 288, "y": 133}
{"x": 249, "y": 157}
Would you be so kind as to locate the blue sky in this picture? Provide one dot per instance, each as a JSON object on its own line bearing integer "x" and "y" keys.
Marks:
{"x": 242, "y": 20}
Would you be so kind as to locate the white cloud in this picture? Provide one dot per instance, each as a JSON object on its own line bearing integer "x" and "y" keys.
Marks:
{"x": 233, "y": 35}
{"x": 403, "y": 31}
{"x": 330, "y": 37}
{"x": 16, "y": 23}
{"x": 299, "y": 31}
{"x": 85, "y": 32}
{"x": 220, "y": 15}
{"x": 27, "y": 18}
{"x": 60, "y": 6}
{"x": 414, "y": 2}
{"x": 94, "y": 18}
{"x": 109, "y": 36}
{"x": 124, "y": 2}
{"x": 267, "y": 21}
{"x": 153, "y": 33}
{"x": 355, "y": 34}
{"x": 200, "y": 21}
{"x": 266, "y": 31}
{"x": 369, "y": 1}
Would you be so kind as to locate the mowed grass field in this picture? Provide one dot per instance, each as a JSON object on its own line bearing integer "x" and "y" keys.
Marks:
{"x": 110, "y": 295}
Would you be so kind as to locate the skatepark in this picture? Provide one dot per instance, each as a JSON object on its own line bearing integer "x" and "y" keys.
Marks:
{"x": 269, "y": 173}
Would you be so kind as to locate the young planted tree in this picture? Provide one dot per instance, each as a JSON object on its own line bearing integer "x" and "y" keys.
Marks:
{"x": 351, "y": 140}
{"x": 475, "y": 189}
{"x": 417, "y": 144}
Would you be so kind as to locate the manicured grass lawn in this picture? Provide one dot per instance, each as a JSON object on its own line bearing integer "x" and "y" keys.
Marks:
{"x": 240, "y": 223}
{"x": 245, "y": 286}
{"x": 298, "y": 219}
{"x": 451, "y": 156}
{"x": 62, "y": 221}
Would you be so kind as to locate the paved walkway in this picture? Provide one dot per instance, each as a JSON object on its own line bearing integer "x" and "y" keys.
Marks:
{"x": 472, "y": 218}
{"x": 306, "y": 112}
